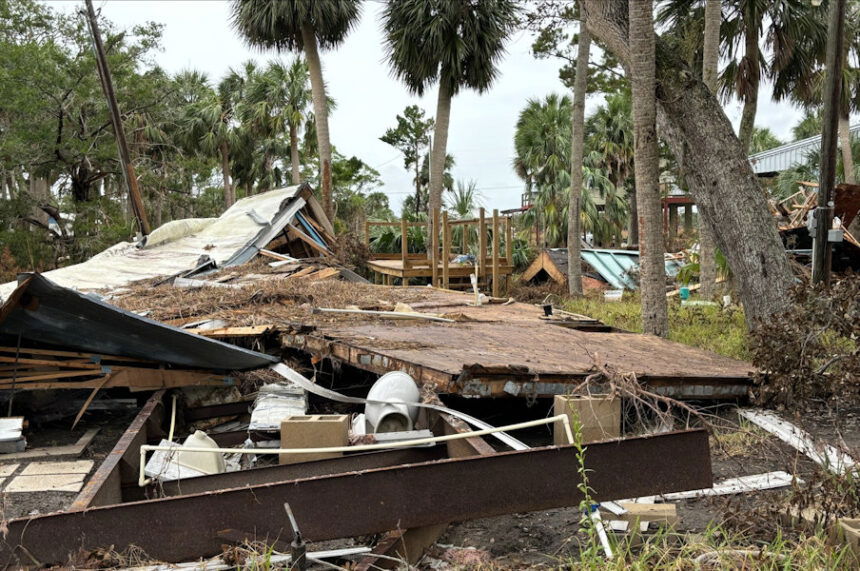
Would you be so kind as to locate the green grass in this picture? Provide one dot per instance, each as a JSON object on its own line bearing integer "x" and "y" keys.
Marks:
{"x": 717, "y": 548}
{"x": 712, "y": 328}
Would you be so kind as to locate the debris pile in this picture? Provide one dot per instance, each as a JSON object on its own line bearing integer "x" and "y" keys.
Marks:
{"x": 277, "y": 400}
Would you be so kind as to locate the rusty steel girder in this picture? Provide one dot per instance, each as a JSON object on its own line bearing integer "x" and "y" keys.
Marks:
{"x": 358, "y": 503}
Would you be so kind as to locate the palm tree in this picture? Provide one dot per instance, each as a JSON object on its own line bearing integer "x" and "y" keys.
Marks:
{"x": 802, "y": 80}
{"x": 464, "y": 199}
{"x": 610, "y": 138}
{"x": 457, "y": 44}
{"x": 462, "y": 202}
{"x": 302, "y": 25}
{"x": 542, "y": 143}
{"x": 205, "y": 125}
{"x": 277, "y": 100}
{"x": 763, "y": 139}
{"x": 287, "y": 92}
{"x": 786, "y": 27}
{"x": 642, "y": 79}
{"x": 710, "y": 61}
{"x": 577, "y": 144}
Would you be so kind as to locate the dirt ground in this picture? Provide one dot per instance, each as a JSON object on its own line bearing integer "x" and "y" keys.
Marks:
{"x": 549, "y": 538}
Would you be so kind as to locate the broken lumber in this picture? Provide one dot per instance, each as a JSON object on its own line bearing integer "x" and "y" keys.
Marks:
{"x": 825, "y": 455}
{"x": 69, "y": 450}
{"x": 388, "y": 314}
{"x": 249, "y": 331}
{"x": 755, "y": 482}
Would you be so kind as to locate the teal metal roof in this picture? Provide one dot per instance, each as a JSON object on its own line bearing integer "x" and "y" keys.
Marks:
{"x": 616, "y": 266}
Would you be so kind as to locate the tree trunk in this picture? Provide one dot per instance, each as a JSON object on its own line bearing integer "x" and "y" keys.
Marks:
{"x": 652, "y": 272}
{"x": 719, "y": 175}
{"x": 711, "y": 47}
{"x": 417, "y": 183}
{"x": 229, "y": 193}
{"x": 633, "y": 231}
{"x": 294, "y": 154}
{"x": 745, "y": 131}
{"x": 577, "y": 143}
{"x": 320, "y": 116}
{"x": 707, "y": 250}
{"x": 845, "y": 144}
{"x": 437, "y": 157}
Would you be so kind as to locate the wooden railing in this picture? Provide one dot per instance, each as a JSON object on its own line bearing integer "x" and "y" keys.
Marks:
{"x": 494, "y": 260}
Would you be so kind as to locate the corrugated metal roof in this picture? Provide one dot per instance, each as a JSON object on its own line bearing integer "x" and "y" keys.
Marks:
{"x": 616, "y": 266}
{"x": 44, "y": 312}
{"x": 786, "y": 156}
{"x": 182, "y": 245}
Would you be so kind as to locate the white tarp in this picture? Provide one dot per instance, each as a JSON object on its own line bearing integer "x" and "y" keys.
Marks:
{"x": 174, "y": 247}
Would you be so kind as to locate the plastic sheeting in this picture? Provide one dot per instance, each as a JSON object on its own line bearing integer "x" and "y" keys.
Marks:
{"x": 182, "y": 245}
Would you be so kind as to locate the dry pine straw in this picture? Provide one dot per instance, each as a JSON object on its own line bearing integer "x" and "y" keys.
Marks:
{"x": 261, "y": 302}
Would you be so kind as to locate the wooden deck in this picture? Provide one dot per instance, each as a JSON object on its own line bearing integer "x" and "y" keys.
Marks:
{"x": 418, "y": 269}
{"x": 498, "y": 350}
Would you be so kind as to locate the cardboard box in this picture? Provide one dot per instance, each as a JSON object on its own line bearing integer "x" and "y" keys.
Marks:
{"x": 599, "y": 416}
{"x": 313, "y": 431}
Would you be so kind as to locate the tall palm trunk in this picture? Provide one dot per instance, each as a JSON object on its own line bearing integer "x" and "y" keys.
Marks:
{"x": 320, "y": 115}
{"x": 437, "y": 156}
{"x": 652, "y": 273}
{"x": 845, "y": 143}
{"x": 710, "y": 58}
{"x": 633, "y": 231}
{"x": 745, "y": 131}
{"x": 294, "y": 154}
{"x": 229, "y": 191}
{"x": 577, "y": 142}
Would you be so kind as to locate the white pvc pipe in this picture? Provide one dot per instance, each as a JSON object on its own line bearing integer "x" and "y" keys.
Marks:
{"x": 144, "y": 481}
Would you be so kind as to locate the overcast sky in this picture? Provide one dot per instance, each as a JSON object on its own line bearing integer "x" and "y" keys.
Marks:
{"x": 197, "y": 35}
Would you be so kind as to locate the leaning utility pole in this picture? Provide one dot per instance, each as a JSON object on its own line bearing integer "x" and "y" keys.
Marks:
{"x": 821, "y": 247}
{"x": 116, "y": 119}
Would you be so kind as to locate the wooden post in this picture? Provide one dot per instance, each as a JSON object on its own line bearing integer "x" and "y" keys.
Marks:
{"x": 464, "y": 239}
{"x": 688, "y": 219}
{"x": 116, "y": 119}
{"x": 482, "y": 244}
{"x": 446, "y": 247}
{"x": 673, "y": 221}
{"x": 434, "y": 247}
{"x": 509, "y": 241}
{"x": 367, "y": 232}
{"x": 404, "y": 250}
{"x": 496, "y": 253}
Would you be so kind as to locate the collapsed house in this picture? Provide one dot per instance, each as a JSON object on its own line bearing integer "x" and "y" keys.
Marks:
{"x": 616, "y": 269}
{"x": 265, "y": 378}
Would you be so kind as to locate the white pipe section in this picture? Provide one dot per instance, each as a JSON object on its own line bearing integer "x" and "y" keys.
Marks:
{"x": 144, "y": 481}
{"x": 172, "y": 420}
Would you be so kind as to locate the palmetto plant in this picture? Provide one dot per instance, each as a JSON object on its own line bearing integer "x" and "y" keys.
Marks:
{"x": 307, "y": 26}
{"x": 463, "y": 200}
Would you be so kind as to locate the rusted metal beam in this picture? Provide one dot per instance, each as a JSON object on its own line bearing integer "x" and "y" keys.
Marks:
{"x": 359, "y": 503}
{"x": 409, "y": 545}
{"x": 121, "y": 465}
{"x": 315, "y": 469}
